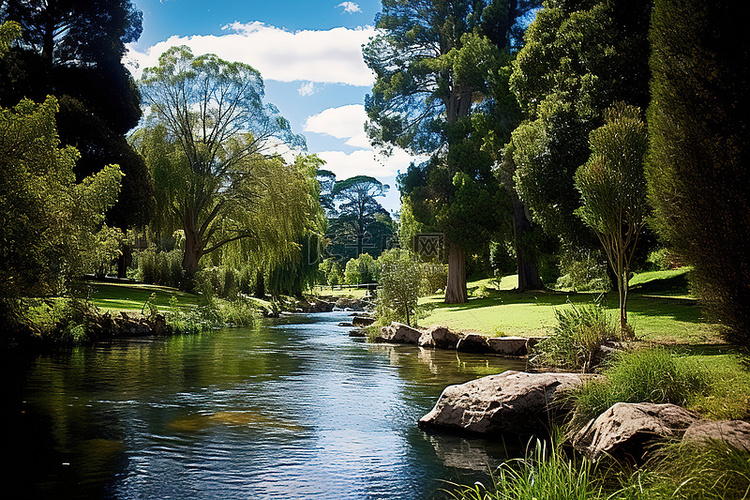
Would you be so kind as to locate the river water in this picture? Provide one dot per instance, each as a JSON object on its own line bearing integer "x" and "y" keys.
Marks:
{"x": 292, "y": 408}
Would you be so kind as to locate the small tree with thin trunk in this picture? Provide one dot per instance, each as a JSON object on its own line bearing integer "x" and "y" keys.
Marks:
{"x": 399, "y": 283}
{"x": 613, "y": 190}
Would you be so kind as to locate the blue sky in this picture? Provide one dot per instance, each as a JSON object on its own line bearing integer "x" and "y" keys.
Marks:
{"x": 309, "y": 54}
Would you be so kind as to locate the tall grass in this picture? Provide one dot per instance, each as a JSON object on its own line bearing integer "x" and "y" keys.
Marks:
{"x": 691, "y": 471}
{"x": 576, "y": 340}
{"x": 655, "y": 375}
{"x": 545, "y": 473}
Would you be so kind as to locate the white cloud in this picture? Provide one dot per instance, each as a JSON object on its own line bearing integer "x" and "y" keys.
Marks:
{"x": 330, "y": 56}
{"x": 307, "y": 89}
{"x": 349, "y": 7}
{"x": 366, "y": 162}
{"x": 345, "y": 122}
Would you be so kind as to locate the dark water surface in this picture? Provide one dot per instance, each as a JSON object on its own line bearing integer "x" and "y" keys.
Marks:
{"x": 292, "y": 408}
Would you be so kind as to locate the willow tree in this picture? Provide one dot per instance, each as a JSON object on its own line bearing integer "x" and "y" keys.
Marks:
{"x": 431, "y": 59}
{"x": 613, "y": 191}
{"x": 209, "y": 142}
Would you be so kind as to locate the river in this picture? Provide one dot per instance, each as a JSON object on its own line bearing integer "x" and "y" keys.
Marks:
{"x": 292, "y": 408}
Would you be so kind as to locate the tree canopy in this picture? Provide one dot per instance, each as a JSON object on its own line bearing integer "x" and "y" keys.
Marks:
{"x": 74, "y": 50}
{"x": 432, "y": 60}
{"x": 579, "y": 58}
{"x": 209, "y": 144}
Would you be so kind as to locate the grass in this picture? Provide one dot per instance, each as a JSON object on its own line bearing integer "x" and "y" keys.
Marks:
{"x": 502, "y": 311}
{"x": 326, "y": 290}
{"x": 117, "y": 297}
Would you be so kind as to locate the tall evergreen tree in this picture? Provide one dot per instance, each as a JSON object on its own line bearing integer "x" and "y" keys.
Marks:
{"x": 431, "y": 60}
{"x": 698, "y": 168}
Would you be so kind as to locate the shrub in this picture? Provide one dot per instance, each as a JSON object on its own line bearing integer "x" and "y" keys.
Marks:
{"x": 160, "y": 268}
{"x": 363, "y": 269}
{"x": 654, "y": 375}
{"x": 583, "y": 271}
{"x": 575, "y": 342}
{"x": 434, "y": 277}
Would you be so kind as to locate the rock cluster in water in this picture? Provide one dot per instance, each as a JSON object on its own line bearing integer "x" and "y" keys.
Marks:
{"x": 443, "y": 338}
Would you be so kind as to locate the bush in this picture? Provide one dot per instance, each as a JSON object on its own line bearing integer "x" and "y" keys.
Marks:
{"x": 434, "y": 278}
{"x": 361, "y": 270}
{"x": 583, "y": 271}
{"x": 654, "y": 375}
{"x": 575, "y": 343}
{"x": 160, "y": 268}
{"x": 545, "y": 473}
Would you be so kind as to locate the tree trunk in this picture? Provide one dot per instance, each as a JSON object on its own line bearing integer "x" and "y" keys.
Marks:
{"x": 455, "y": 291}
{"x": 260, "y": 285}
{"x": 193, "y": 253}
{"x": 528, "y": 273}
{"x": 124, "y": 261}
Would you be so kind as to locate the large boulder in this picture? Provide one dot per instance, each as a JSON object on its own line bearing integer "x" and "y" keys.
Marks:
{"x": 626, "y": 430}
{"x": 512, "y": 402}
{"x": 473, "y": 342}
{"x": 440, "y": 337}
{"x": 736, "y": 433}
{"x": 398, "y": 333}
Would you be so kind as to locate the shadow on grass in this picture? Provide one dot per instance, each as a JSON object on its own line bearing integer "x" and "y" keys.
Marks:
{"x": 677, "y": 309}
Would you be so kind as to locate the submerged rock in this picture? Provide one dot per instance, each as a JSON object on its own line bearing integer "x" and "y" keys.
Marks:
{"x": 512, "y": 402}
{"x": 627, "y": 429}
{"x": 362, "y": 320}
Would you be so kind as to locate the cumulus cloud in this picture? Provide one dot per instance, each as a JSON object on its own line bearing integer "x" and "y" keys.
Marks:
{"x": 317, "y": 56}
{"x": 345, "y": 122}
{"x": 349, "y": 7}
{"x": 366, "y": 162}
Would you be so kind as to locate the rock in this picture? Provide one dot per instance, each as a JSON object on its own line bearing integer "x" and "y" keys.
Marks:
{"x": 734, "y": 432}
{"x": 398, "y": 333}
{"x": 512, "y": 402}
{"x": 473, "y": 342}
{"x": 346, "y": 324}
{"x": 626, "y": 429}
{"x": 362, "y": 320}
{"x": 357, "y": 332}
{"x": 508, "y": 346}
{"x": 440, "y": 337}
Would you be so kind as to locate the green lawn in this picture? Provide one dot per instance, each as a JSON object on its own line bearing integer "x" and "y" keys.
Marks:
{"x": 664, "y": 314}
{"x": 131, "y": 297}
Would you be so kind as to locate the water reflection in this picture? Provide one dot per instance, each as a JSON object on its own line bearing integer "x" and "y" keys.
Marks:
{"x": 292, "y": 408}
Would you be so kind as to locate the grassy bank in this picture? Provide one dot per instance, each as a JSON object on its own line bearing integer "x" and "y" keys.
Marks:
{"x": 660, "y": 308}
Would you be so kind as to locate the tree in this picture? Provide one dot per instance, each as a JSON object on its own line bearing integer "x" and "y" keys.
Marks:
{"x": 74, "y": 50}
{"x": 357, "y": 207}
{"x": 613, "y": 192}
{"x": 399, "y": 283}
{"x": 697, "y": 166}
{"x": 208, "y": 145}
{"x": 52, "y": 229}
{"x": 431, "y": 60}
{"x": 579, "y": 58}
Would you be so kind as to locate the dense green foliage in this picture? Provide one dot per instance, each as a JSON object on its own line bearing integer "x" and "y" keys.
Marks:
{"x": 579, "y": 58}
{"x": 656, "y": 375}
{"x": 74, "y": 50}
{"x": 576, "y": 340}
{"x": 208, "y": 146}
{"x": 432, "y": 60}
{"x": 697, "y": 167}
{"x": 399, "y": 285}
